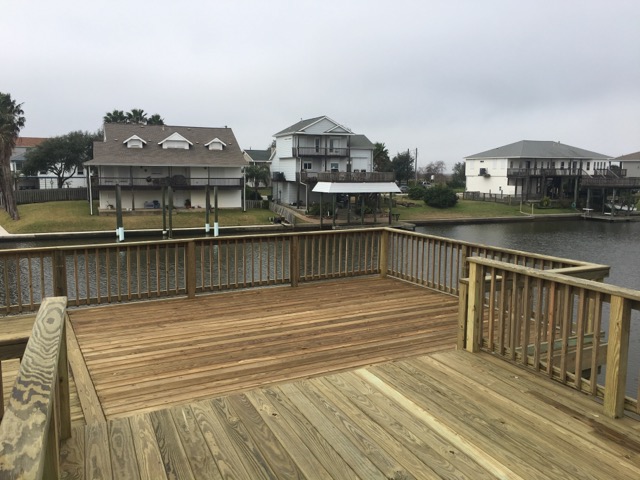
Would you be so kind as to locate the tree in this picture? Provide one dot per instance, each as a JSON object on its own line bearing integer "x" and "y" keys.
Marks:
{"x": 155, "y": 119}
{"x": 381, "y": 161}
{"x": 440, "y": 196}
{"x": 117, "y": 116}
{"x": 459, "y": 176}
{"x": 402, "y": 165}
{"x": 61, "y": 155}
{"x": 257, "y": 174}
{"x": 137, "y": 116}
{"x": 11, "y": 122}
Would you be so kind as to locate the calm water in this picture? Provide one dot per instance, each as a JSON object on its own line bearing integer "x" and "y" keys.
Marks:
{"x": 613, "y": 244}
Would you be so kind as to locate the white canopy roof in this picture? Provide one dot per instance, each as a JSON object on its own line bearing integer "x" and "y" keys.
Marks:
{"x": 359, "y": 187}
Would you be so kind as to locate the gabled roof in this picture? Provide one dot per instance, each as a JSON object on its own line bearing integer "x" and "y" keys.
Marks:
{"x": 259, "y": 155}
{"x": 134, "y": 137}
{"x": 538, "y": 149}
{"x": 361, "y": 141}
{"x": 175, "y": 136}
{"x": 112, "y": 151}
{"x": 303, "y": 125}
{"x": 629, "y": 157}
{"x": 215, "y": 140}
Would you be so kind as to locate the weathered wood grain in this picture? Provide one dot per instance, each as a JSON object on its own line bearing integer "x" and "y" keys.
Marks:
{"x": 29, "y": 417}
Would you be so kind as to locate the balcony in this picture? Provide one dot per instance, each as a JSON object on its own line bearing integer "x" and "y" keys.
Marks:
{"x": 320, "y": 152}
{"x": 155, "y": 183}
{"x": 354, "y": 177}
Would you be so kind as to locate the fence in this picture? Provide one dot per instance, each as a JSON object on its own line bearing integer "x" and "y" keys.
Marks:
{"x": 496, "y": 197}
{"x": 50, "y": 195}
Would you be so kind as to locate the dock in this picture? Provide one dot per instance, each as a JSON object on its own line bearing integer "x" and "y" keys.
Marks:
{"x": 339, "y": 354}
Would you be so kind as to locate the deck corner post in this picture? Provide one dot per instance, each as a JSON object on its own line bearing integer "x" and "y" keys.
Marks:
{"x": 474, "y": 307}
{"x": 384, "y": 253}
{"x": 617, "y": 356}
{"x": 191, "y": 269}
{"x": 59, "y": 274}
{"x": 294, "y": 260}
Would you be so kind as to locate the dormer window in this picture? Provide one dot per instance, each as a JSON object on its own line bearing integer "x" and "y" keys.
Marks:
{"x": 175, "y": 140}
{"x": 134, "y": 141}
{"x": 215, "y": 144}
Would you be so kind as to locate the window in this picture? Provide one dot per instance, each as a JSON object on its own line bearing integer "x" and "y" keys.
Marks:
{"x": 588, "y": 165}
{"x": 334, "y": 166}
{"x": 306, "y": 166}
{"x": 331, "y": 145}
{"x": 316, "y": 143}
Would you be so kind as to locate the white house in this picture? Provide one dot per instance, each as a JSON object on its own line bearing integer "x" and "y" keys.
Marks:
{"x": 143, "y": 159}
{"x": 532, "y": 169}
{"x": 318, "y": 152}
{"x": 630, "y": 164}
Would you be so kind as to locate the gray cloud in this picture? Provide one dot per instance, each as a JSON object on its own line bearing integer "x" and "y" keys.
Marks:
{"x": 450, "y": 78}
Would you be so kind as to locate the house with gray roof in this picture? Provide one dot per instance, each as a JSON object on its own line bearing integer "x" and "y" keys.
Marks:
{"x": 319, "y": 155}
{"x": 629, "y": 164}
{"x": 531, "y": 169}
{"x": 143, "y": 159}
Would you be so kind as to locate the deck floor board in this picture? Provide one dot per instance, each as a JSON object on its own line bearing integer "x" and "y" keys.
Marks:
{"x": 300, "y": 383}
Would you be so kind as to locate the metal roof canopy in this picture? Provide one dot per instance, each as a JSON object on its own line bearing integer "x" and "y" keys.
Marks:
{"x": 353, "y": 187}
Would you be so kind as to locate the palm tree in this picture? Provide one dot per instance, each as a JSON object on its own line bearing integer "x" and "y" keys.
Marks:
{"x": 155, "y": 119}
{"x": 11, "y": 121}
{"x": 117, "y": 116}
{"x": 137, "y": 115}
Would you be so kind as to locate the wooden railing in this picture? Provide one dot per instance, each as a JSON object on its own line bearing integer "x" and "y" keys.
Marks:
{"x": 109, "y": 273}
{"x": 38, "y": 415}
{"x": 439, "y": 262}
{"x": 346, "y": 176}
{"x": 569, "y": 328}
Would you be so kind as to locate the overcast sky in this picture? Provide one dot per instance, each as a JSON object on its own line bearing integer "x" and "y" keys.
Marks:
{"x": 451, "y": 78}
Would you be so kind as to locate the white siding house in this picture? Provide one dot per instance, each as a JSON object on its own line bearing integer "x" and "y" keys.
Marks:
{"x": 143, "y": 159}
{"x": 532, "y": 169}
{"x": 320, "y": 150}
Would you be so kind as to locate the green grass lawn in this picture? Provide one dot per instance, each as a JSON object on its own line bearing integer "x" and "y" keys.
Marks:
{"x": 73, "y": 216}
{"x": 468, "y": 209}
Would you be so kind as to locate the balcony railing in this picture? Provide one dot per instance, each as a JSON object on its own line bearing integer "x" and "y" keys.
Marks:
{"x": 175, "y": 181}
{"x": 610, "y": 182}
{"x": 346, "y": 176}
{"x": 544, "y": 172}
{"x": 320, "y": 152}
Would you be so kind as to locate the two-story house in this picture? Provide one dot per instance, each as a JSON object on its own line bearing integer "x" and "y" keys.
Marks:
{"x": 533, "y": 169}
{"x": 320, "y": 155}
{"x": 143, "y": 159}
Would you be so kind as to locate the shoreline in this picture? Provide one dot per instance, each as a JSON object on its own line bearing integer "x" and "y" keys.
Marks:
{"x": 238, "y": 230}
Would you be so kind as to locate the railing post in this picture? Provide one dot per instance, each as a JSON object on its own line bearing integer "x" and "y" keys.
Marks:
{"x": 474, "y": 307}
{"x": 294, "y": 260}
{"x": 64, "y": 400}
{"x": 617, "y": 356}
{"x": 384, "y": 253}
{"x": 191, "y": 269}
{"x": 59, "y": 274}
{"x": 463, "y": 298}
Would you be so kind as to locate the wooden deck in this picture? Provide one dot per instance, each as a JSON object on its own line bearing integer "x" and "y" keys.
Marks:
{"x": 450, "y": 414}
{"x": 145, "y": 356}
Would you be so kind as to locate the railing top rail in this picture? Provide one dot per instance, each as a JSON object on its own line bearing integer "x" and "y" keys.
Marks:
{"x": 396, "y": 231}
{"x": 606, "y": 289}
{"x": 539, "y": 256}
{"x": 23, "y": 432}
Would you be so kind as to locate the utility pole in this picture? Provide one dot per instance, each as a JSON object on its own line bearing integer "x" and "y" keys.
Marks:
{"x": 416, "y": 165}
